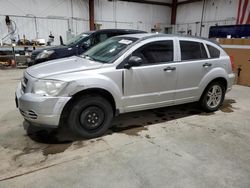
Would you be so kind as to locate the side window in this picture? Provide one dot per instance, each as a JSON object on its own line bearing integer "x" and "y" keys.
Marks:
{"x": 192, "y": 50}
{"x": 87, "y": 42}
{"x": 103, "y": 37}
{"x": 214, "y": 52}
{"x": 156, "y": 52}
{"x": 99, "y": 38}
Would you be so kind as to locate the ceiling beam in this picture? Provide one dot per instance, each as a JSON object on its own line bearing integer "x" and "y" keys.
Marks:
{"x": 188, "y": 1}
{"x": 149, "y": 2}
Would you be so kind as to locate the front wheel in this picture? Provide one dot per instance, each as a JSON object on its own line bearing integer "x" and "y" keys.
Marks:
{"x": 90, "y": 116}
{"x": 213, "y": 97}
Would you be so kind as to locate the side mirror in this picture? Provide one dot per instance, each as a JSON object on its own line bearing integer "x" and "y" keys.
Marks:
{"x": 85, "y": 45}
{"x": 134, "y": 61}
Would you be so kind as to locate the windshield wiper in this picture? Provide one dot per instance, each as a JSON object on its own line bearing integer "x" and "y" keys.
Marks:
{"x": 92, "y": 58}
{"x": 88, "y": 57}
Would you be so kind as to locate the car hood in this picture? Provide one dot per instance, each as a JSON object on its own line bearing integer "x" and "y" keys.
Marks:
{"x": 61, "y": 47}
{"x": 62, "y": 66}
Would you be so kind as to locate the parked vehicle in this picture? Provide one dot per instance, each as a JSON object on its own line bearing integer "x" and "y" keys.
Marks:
{"x": 76, "y": 45}
{"x": 124, "y": 74}
{"x": 235, "y": 31}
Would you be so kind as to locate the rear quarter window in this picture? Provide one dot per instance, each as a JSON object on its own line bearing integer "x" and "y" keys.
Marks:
{"x": 214, "y": 52}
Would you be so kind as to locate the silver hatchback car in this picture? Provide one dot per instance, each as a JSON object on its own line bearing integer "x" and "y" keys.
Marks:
{"x": 124, "y": 74}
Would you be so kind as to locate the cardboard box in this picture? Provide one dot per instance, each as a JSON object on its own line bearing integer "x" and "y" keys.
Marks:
{"x": 239, "y": 49}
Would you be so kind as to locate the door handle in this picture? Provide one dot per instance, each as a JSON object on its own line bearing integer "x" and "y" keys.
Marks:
{"x": 169, "y": 69}
{"x": 207, "y": 65}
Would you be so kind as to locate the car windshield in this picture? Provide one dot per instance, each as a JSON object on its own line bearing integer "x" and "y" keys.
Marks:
{"x": 77, "y": 39}
{"x": 107, "y": 51}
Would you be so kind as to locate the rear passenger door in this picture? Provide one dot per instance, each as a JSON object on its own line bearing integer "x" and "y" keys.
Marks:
{"x": 192, "y": 67}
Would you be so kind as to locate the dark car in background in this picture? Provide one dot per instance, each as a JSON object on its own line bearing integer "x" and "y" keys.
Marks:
{"x": 76, "y": 45}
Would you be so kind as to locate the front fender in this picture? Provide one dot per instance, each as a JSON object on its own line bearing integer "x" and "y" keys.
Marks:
{"x": 98, "y": 82}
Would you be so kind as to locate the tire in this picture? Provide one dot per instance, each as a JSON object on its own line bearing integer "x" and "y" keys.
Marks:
{"x": 213, "y": 97}
{"x": 90, "y": 116}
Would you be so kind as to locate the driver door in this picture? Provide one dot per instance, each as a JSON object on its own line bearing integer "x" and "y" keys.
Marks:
{"x": 152, "y": 84}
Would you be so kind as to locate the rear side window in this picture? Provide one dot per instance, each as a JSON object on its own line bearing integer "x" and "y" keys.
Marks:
{"x": 99, "y": 38}
{"x": 156, "y": 52}
{"x": 192, "y": 50}
{"x": 103, "y": 37}
{"x": 214, "y": 52}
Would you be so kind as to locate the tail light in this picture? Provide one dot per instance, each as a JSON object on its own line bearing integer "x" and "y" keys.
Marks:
{"x": 232, "y": 62}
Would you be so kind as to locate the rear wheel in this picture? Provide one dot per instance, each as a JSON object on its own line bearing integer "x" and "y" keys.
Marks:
{"x": 90, "y": 116}
{"x": 213, "y": 97}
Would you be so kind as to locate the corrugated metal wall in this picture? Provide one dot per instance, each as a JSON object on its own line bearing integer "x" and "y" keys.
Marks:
{"x": 37, "y": 18}
{"x": 130, "y": 15}
{"x": 220, "y": 12}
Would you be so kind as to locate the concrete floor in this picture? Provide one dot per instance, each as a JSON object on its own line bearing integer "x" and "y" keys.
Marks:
{"x": 168, "y": 147}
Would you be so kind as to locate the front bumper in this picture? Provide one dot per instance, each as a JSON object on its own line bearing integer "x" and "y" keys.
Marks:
{"x": 45, "y": 111}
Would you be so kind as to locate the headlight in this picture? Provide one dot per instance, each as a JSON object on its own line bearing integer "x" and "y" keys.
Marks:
{"x": 48, "y": 87}
{"x": 45, "y": 54}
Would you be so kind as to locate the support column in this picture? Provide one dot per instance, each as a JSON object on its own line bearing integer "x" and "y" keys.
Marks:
{"x": 173, "y": 12}
{"x": 91, "y": 15}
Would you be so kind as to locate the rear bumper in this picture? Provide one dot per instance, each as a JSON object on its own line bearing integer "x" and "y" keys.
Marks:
{"x": 45, "y": 111}
{"x": 231, "y": 80}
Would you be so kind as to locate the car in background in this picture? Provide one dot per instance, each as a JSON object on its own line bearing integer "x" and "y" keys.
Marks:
{"x": 234, "y": 31}
{"x": 124, "y": 74}
{"x": 76, "y": 45}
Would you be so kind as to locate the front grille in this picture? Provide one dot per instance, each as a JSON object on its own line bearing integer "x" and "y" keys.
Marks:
{"x": 25, "y": 80}
{"x": 29, "y": 114}
{"x": 32, "y": 114}
{"x": 23, "y": 88}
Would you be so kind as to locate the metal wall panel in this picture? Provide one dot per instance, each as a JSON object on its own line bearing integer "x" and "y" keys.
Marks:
{"x": 36, "y": 18}
{"x": 56, "y": 26}
{"x": 220, "y": 12}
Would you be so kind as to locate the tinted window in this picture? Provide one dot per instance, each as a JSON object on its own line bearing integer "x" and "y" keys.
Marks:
{"x": 107, "y": 51}
{"x": 192, "y": 50}
{"x": 77, "y": 39}
{"x": 103, "y": 37}
{"x": 214, "y": 52}
{"x": 156, "y": 52}
{"x": 100, "y": 38}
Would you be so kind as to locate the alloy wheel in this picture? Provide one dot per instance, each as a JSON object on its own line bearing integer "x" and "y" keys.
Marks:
{"x": 214, "y": 96}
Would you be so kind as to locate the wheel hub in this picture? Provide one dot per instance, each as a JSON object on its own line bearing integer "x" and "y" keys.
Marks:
{"x": 91, "y": 117}
{"x": 214, "y": 96}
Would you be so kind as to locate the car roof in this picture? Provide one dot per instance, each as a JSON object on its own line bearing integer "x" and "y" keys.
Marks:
{"x": 144, "y": 36}
{"x": 126, "y": 31}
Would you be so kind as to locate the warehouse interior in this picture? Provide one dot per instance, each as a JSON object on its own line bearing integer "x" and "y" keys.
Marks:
{"x": 178, "y": 145}
{"x": 36, "y": 19}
